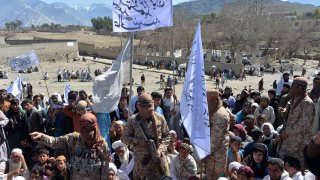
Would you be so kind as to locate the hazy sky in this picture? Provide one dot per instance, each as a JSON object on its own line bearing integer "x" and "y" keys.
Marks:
{"x": 95, "y": 1}
{"x": 315, "y": 2}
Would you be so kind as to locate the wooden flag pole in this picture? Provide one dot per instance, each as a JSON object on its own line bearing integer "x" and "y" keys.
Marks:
{"x": 131, "y": 66}
{"x": 45, "y": 81}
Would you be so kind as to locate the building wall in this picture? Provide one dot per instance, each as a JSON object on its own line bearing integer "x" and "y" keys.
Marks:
{"x": 45, "y": 51}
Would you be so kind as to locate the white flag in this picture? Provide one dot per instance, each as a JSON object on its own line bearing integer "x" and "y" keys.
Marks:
{"x": 194, "y": 105}
{"x": 129, "y": 16}
{"x": 24, "y": 62}
{"x": 107, "y": 87}
{"x": 16, "y": 88}
{"x": 67, "y": 89}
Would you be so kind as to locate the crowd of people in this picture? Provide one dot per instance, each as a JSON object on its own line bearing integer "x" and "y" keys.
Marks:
{"x": 65, "y": 75}
{"x": 253, "y": 136}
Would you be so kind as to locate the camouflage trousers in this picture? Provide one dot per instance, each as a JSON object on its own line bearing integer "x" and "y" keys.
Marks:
{"x": 216, "y": 163}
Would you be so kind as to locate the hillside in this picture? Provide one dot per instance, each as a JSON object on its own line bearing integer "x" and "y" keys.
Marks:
{"x": 208, "y": 6}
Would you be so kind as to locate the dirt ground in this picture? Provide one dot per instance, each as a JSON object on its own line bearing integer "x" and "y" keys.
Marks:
{"x": 151, "y": 82}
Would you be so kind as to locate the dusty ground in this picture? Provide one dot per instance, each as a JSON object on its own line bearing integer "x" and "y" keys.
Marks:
{"x": 152, "y": 78}
{"x": 152, "y": 75}
{"x": 81, "y": 36}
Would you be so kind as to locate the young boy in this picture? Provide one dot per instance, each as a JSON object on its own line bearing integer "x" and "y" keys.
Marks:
{"x": 43, "y": 160}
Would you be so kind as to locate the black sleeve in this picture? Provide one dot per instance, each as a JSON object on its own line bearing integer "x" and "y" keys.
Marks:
{"x": 113, "y": 115}
{"x": 313, "y": 164}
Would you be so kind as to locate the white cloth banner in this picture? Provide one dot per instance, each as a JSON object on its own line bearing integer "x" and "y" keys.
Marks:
{"x": 67, "y": 89}
{"x": 24, "y": 62}
{"x": 107, "y": 87}
{"x": 130, "y": 16}
{"x": 194, "y": 105}
{"x": 16, "y": 88}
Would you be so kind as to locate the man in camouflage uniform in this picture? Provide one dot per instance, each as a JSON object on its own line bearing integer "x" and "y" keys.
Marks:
{"x": 296, "y": 131}
{"x": 155, "y": 127}
{"x": 88, "y": 151}
{"x": 219, "y": 125}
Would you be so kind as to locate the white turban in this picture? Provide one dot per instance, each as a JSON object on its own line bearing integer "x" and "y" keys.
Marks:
{"x": 117, "y": 144}
{"x": 113, "y": 167}
{"x": 234, "y": 165}
{"x": 119, "y": 122}
{"x": 16, "y": 150}
{"x": 254, "y": 105}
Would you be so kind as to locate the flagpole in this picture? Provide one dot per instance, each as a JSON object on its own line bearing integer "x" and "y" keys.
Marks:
{"x": 174, "y": 81}
{"x": 131, "y": 62}
{"x": 45, "y": 81}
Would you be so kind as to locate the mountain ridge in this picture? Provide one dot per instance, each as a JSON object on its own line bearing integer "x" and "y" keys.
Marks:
{"x": 37, "y": 12}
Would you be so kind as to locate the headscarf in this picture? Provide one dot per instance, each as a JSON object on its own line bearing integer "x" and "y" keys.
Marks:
{"x": 58, "y": 96}
{"x": 243, "y": 132}
{"x": 234, "y": 165}
{"x": 88, "y": 120}
{"x": 272, "y": 131}
{"x": 300, "y": 82}
{"x": 246, "y": 170}
{"x": 259, "y": 170}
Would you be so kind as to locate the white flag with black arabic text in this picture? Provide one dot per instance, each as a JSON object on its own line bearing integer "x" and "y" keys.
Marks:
{"x": 130, "y": 16}
{"x": 193, "y": 104}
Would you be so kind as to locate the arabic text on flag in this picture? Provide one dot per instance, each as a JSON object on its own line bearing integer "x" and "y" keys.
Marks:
{"x": 130, "y": 16}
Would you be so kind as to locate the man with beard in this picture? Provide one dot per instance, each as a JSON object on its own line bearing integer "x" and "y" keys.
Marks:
{"x": 228, "y": 96}
{"x": 16, "y": 162}
{"x": 87, "y": 151}
{"x": 123, "y": 159}
{"x": 116, "y": 130}
{"x": 17, "y": 127}
{"x": 155, "y": 128}
{"x": 297, "y": 128}
{"x": 219, "y": 125}
{"x": 284, "y": 96}
{"x": 285, "y": 79}
{"x": 314, "y": 94}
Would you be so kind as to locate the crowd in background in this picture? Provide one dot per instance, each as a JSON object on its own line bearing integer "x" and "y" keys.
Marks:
{"x": 253, "y": 135}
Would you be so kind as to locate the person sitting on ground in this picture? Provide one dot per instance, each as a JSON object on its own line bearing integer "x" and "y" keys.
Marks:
{"x": 245, "y": 173}
{"x": 276, "y": 170}
{"x": 260, "y": 120}
{"x": 183, "y": 166}
{"x": 293, "y": 167}
{"x": 265, "y": 109}
{"x": 232, "y": 170}
{"x": 241, "y": 115}
{"x": 240, "y": 131}
{"x": 256, "y": 135}
{"x": 269, "y": 133}
{"x": 235, "y": 154}
{"x": 257, "y": 160}
{"x": 249, "y": 124}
